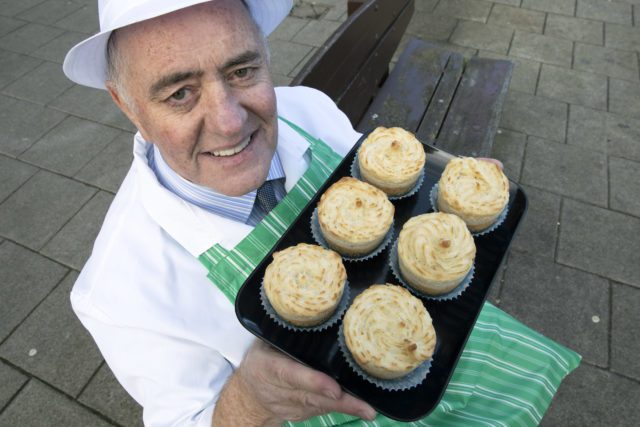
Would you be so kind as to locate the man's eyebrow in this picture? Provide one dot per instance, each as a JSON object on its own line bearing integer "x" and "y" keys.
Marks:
{"x": 170, "y": 80}
{"x": 243, "y": 58}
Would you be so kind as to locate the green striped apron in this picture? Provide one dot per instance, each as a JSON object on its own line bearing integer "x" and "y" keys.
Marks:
{"x": 507, "y": 373}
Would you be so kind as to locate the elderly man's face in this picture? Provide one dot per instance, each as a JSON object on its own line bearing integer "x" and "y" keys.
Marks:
{"x": 199, "y": 88}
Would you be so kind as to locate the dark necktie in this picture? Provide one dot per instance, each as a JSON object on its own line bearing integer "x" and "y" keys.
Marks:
{"x": 266, "y": 197}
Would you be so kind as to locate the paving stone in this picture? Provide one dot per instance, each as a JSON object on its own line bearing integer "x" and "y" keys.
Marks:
{"x": 303, "y": 62}
{"x": 516, "y": 18}
{"x": 41, "y": 85}
{"x": 285, "y": 56}
{"x": 57, "y": 48}
{"x": 13, "y": 174}
{"x": 14, "y": 65}
{"x": 534, "y": 115}
{"x": 84, "y": 20}
{"x": 566, "y": 7}
{"x": 587, "y": 128}
{"x": 603, "y": 10}
{"x": 40, "y": 405}
{"x": 50, "y": 11}
{"x": 70, "y": 145}
{"x": 13, "y": 7}
{"x": 573, "y": 87}
{"x": 508, "y": 147}
{"x": 316, "y": 32}
{"x": 538, "y": 232}
{"x": 623, "y": 97}
{"x": 28, "y": 38}
{"x": 482, "y": 36}
{"x": 107, "y": 396}
{"x": 108, "y": 169}
{"x": 624, "y": 338}
{"x": 280, "y": 80}
{"x": 624, "y": 181}
{"x": 545, "y": 295}
{"x": 73, "y": 244}
{"x": 591, "y": 396}
{"x": 22, "y": 123}
{"x": 431, "y": 27}
{"x": 615, "y": 63}
{"x": 34, "y": 213}
{"x": 65, "y": 354}
{"x": 426, "y": 6}
{"x": 600, "y": 241}
{"x": 288, "y": 29}
{"x": 471, "y": 10}
{"x": 338, "y": 12}
{"x": 622, "y": 136}
{"x": 578, "y": 29}
{"x": 9, "y": 24}
{"x": 542, "y": 48}
{"x": 309, "y": 10}
{"x": 525, "y": 72}
{"x": 92, "y": 104}
{"x": 567, "y": 170}
{"x": 10, "y": 382}
{"x": 622, "y": 37}
{"x": 26, "y": 279}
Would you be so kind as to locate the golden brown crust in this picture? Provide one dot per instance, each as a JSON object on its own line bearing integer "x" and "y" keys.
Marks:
{"x": 435, "y": 252}
{"x": 475, "y": 190}
{"x": 388, "y": 331}
{"x": 354, "y": 216}
{"x": 304, "y": 283}
{"x": 391, "y": 159}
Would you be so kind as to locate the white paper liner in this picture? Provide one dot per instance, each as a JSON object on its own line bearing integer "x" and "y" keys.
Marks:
{"x": 355, "y": 172}
{"x": 433, "y": 198}
{"x": 453, "y": 294}
{"x": 337, "y": 314}
{"x": 412, "y": 379}
{"x": 319, "y": 238}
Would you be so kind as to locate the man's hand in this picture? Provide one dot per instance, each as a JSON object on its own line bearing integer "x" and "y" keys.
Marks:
{"x": 275, "y": 388}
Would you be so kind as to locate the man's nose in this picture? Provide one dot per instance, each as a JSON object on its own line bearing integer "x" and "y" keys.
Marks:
{"x": 226, "y": 115}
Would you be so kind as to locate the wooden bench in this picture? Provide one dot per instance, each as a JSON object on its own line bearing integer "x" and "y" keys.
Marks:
{"x": 447, "y": 101}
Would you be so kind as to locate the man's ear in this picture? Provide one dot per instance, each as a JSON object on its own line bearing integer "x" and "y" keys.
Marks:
{"x": 124, "y": 106}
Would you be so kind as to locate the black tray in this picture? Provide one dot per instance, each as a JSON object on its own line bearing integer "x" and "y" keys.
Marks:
{"x": 453, "y": 320}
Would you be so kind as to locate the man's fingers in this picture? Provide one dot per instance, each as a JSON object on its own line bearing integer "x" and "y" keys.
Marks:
{"x": 347, "y": 404}
{"x": 299, "y": 377}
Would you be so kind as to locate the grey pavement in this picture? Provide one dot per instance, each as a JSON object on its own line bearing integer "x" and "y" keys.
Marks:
{"x": 570, "y": 135}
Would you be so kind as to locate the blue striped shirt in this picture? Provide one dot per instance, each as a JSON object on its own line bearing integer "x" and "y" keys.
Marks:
{"x": 242, "y": 208}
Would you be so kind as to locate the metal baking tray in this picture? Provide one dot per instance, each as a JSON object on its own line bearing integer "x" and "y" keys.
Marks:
{"x": 453, "y": 320}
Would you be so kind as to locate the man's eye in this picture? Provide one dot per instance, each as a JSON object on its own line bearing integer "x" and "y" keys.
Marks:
{"x": 179, "y": 95}
{"x": 241, "y": 73}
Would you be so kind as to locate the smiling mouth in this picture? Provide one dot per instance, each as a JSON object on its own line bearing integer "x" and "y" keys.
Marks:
{"x": 233, "y": 150}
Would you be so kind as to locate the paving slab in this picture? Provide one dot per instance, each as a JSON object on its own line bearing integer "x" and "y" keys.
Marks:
{"x": 70, "y": 145}
{"x": 316, "y": 32}
{"x": 508, "y": 147}
{"x": 622, "y": 36}
{"x": 470, "y": 10}
{"x": 57, "y": 48}
{"x": 538, "y": 233}
{"x": 12, "y": 7}
{"x": 427, "y": 5}
{"x": 338, "y": 12}
{"x": 516, "y": 18}
{"x": 28, "y": 38}
{"x": 41, "y": 85}
{"x": 541, "y": 48}
{"x": 7, "y": 24}
{"x": 482, "y": 36}
{"x": 14, "y": 65}
{"x": 288, "y": 28}
{"x": 109, "y": 167}
{"x": 296, "y": 70}
{"x": 53, "y": 409}
{"x": 600, "y": 241}
{"x": 52, "y": 344}
{"x": 13, "y": 174}
{"x": 603, "y": 60}
{"x": 10, "y": 382}
{"x": 622, "y": 136}
{"x": 534, "y": 115}
{"x": 604, "y": 10}
{"x": 23, "y": 123}
{"x": 592, "y": 396}
{"x": 92, "y": 104}
{"x": 573, "y": 87}
{"x": 577, "y": 29}
{"x": 624, "y": 182}
{"x": 587, "y": 128}
{"x": 72, "y": 245}
{"x": 624, "y": 339}
{"x": 84, "y": 20}
{"x": 285, "y": 56}
{"x": 567, "y": 170}
{"x": 559, "y": 302}
{"x": 105, "y": 394}
{"x": 431, "y": 27}
{"x": 26, "y": 279}
{"x": 34, "y": 213}
{"x": 525, "y": 72}
{"x": 566, "y": 7}
{"x": 50, "y": 11}
{"x": 623, "y": 97}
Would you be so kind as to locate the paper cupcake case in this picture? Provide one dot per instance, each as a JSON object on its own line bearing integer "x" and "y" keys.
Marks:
{"x": 335, "y": 317}
{"x": 433, "y": 198}
{"x": 455, "y": 293}
{"x": 355, "y": 172}
{"x": 317, "y": 236}
{"x": 412, "y": 379}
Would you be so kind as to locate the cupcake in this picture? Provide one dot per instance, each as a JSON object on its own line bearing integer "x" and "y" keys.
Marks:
{"x": 354, "y": 216}
{"x": 391, "y": 159}
{"x": 304, "y": 284}
{"x": 388, "y": 331}
{"x": 435, "y": 252}
{"x": 475, "y": 190}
